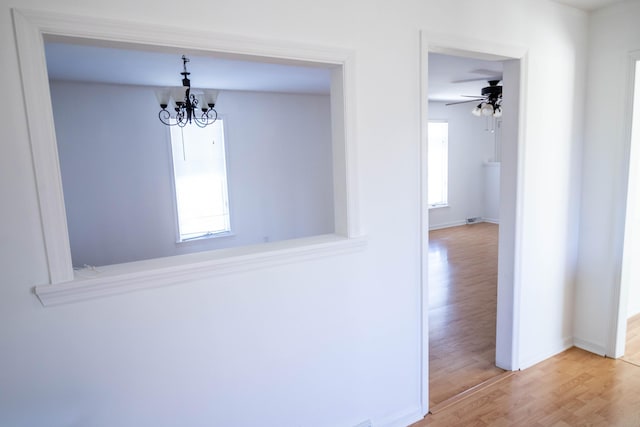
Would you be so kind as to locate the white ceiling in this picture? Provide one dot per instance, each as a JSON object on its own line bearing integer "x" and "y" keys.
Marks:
{"x": 449, "y": 75}
{"x": 139, "y": 66}
{"x": 588, "y": 5}
{"x": 87, "y": 63}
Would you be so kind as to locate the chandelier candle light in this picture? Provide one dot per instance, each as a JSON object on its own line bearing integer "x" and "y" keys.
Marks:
{"x": 190, "y": 107}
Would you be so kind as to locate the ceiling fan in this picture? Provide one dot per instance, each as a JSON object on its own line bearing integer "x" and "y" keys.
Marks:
{"x": 489, "y": 101}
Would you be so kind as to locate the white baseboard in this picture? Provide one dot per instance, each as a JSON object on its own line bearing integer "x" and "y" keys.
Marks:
{"x": 558, "y": 348}
{"x": 400, "y": 419}
{"x": 590, "y": 347}
{"x": 461, "y": 222}
{"x": 447, "y": 225}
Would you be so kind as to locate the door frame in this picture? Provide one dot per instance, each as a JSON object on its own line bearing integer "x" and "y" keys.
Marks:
{"x": 509, "y": 281}
{"x": 632, "y": 169}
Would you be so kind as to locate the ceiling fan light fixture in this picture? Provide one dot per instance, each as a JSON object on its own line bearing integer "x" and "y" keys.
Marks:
{"x": 477, "y": 111}
{"x": 498, "y": 112}
{"x": 487, "y": 110}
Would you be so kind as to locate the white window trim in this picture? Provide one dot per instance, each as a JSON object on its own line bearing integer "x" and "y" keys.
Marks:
{"x": 438, "y": 206}
{"x": 65, "y": 285}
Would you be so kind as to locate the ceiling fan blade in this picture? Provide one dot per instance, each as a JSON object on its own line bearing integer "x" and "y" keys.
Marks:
{"x": 474, "y": 96}
{"x": 486, "y": 79}
{"x": 464, "y": 102}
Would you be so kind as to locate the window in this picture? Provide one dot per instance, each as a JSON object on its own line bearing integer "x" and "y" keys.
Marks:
{"x": 438, "y": 165}
{"x": 200, "y": 177}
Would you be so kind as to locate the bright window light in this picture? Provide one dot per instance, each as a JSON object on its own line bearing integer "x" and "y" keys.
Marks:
{"x": 200, "y": 176}
{"x": 438, "y": 172}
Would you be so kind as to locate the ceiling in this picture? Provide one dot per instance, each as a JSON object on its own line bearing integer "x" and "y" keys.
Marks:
{"x": 88, "y": 63}
{"x": 449, "y": 76}
{"x": 588, "y": 5}
{"x": 142, "y": 66}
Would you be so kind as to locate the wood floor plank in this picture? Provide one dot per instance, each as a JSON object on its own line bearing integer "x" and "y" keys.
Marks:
{"x": 632, "y": 350}
{"x": 574, "y": 388}
{"x": 462, "y": 308}
{"x": 468, "y": 393}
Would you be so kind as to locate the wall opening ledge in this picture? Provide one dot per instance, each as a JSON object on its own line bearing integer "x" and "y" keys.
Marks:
{"x": 97, "y": 282}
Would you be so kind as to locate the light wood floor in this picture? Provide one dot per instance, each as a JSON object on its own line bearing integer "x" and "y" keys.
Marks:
{"x": 462, "y": 308}
{"x": 574, "y": 388}
{"x": 632, "y": 350}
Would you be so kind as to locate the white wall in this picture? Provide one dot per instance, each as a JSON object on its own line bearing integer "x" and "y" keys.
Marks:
{"x": 325, "y": 342}
{"x": 491, "y": 212}
{"x": 470, "y": 146}
{"x": 614, "y": 33}
{"x": 116, "y": 171}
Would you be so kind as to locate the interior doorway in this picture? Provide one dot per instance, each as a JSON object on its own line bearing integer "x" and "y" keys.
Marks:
{"x": 464, "y": 148}
{"x": 506, "y": 308}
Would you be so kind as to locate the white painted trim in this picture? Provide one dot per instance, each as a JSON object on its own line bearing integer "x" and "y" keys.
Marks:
{"x": 589, "y": 346}
{"x": 519, "y": 215}
{"x": 558, "y": 348}
{"x": 618, "y": 322}
{"x": 482, "y": 49}
{"x": 424, "y": 227}
{"x": 122, "y": 278}
{"x": 37, "y": 97}
{"x": 401, "y": 419}
{"x": 448, "y": 225}
{"x": 462, "y": 222}
{"x": 32, "y": 27}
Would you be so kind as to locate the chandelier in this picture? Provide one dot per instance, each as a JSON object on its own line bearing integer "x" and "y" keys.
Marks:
{"x": 191, "y": 106}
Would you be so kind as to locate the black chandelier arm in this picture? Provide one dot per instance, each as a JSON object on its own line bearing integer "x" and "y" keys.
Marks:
{"x": 206, "y": 118}
{"x": 208, "y": 112}
{"x": 165, "y": 117}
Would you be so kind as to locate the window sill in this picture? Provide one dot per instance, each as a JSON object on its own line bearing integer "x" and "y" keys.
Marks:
{"x": 204, "y": 238}
{"x": 116, "y": 279}
{"x": 438, "y": 206}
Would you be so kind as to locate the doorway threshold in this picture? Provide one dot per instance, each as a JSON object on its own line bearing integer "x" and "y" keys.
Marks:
{"x": 470, "y": 392}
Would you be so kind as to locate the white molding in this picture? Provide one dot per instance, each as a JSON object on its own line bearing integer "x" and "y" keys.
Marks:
{"x": 562, "y": 345}
{"x": 401, "y": 419}
{"x": 620, "y": 291}
{"x": 447, "y": 225}
{"x": 448, "y": 43}
{"x": 590, "y": 347}
{"x": 60, "y": 26}
{"x": 423, "y": 232}
{"x": 559, "y": 347}
{"x": 44, "y": 151}
{"x": 462, "y": 222}
{"x": 123, "y": 278}
{"x": 32, "y": 27}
